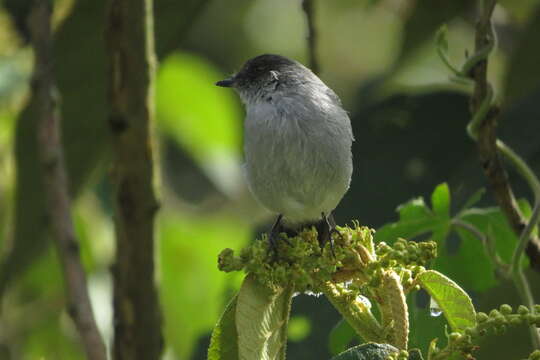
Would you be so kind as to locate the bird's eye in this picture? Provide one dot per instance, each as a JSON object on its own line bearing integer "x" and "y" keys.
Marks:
{"x": 260, "y": 68}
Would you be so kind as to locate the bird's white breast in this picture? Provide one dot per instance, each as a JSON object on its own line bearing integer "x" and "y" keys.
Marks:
{"x": 298, "y": 153}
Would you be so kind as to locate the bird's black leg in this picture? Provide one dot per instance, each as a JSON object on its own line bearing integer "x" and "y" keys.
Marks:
{"x": 327, "y": 226}
{"x": 274, "y": 232}
{"x": 273, "y": 236}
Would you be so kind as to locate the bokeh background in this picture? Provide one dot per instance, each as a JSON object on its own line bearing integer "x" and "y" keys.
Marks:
{"x": 378, "y": 55}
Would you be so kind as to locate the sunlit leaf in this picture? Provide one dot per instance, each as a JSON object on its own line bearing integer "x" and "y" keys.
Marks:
{"x": 413, "y": 209}
{"x": 415, "y": 218}
{"x": 370, "y": 351}
{"x": 440, "y": 201}
{"x": 456, "y": 305}
{"x": 191, "y": 286}
{"x": 261, "y": 320}
{"x": 473, "y": 199}
{"x": 224, "y": 340}
{"x": 203, "y": 118}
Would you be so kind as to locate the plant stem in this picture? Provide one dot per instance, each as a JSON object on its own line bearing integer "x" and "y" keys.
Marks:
{"x": 524, "y": 290}
{"x": 55, "y": 183}
{"x": 309, "y": 10}
{"x": 489, "y": 245}
{"x": 394, "y": 311}
{"x": 524, "y": 238}
{"x": 357, "y": 314}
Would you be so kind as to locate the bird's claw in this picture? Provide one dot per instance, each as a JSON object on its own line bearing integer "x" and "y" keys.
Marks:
{"x": 325, "y": 231}
{"x": 274, "y": 236}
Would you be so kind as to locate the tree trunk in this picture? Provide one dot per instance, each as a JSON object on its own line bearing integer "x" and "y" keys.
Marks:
{"x": 137, "y": 319}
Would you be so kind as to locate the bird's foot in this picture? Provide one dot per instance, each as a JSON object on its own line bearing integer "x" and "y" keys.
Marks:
{"x": 274, "y": 237}
{"x": 325, "y": 229}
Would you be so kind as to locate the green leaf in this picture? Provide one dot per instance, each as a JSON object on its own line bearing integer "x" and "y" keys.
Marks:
{"x": 469, "y": 259}
{"x": 223, "y": 343}
{"x": 526, "y": 211}
{"x": 492, "y": 217}
{"x": 473, "y": 199}
{"x": 261, "y": 320}
{"x": 340, "y": 337}
{"x": 472, "y": 255}
{"x": 370, "y": 351}
{"x": 201, "y": 117}
{"x": 413, "y": 209}
{"x": 440, "y": 201}
{"x": 441, "y": 38}
{"x": 453, "y": 301}
{"x": 188, "y": 246}
{"x": 415, "y": 218}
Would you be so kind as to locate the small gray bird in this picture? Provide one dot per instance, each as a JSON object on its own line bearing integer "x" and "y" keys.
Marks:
{"x": 297, "y": 143}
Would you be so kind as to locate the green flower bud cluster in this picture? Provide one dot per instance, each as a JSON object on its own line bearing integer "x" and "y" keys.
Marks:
{"x": 401, "y": 355}
{"x": 406, "y": 253}
{"x": 354, "y": 259}
{"x": 535, "y": 355}
{"x": 496, "y": 322}
{"x": 407, "y": 258}
{"x": 300, "y": 259}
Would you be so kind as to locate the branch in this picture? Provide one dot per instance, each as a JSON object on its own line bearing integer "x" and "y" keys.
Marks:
{"x": 487, "y": 243}
{"x": 483, "y": 128}
{"x": 137, "y": 316}
{"x": 307, "y": 6}
{"x": 55, "y": 183}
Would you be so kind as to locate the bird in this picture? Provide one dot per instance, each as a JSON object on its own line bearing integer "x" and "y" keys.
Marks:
{"x": 297, "y": 144}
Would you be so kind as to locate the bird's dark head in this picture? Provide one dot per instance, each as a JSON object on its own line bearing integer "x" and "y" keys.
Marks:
{"x": 262, "y": 71}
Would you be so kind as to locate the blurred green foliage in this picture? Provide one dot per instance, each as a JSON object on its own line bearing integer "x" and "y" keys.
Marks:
{"x": 408, "y": 122}
{"x": 200, "y": 117}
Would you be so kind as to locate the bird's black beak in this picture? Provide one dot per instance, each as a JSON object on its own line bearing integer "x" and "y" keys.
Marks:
{"x": 226, "y": 83}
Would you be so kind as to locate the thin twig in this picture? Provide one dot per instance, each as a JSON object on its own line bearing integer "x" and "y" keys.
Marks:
{"x": 534, "y": 184}
{"x": 524, "y": 291}
{"x": 486, "y": 241}
{"x": 55, "y": 183}
{"x": 137, "y": 331}
{"x": 309, "y": 10}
